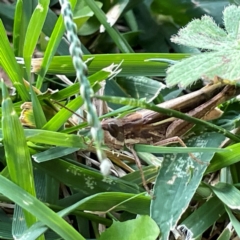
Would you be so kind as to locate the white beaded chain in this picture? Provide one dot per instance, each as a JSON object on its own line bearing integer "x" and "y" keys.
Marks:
{"x": 85, "y": 88}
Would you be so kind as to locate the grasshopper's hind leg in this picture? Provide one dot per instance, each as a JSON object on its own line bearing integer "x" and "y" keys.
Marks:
{"x": 139, "y": 165}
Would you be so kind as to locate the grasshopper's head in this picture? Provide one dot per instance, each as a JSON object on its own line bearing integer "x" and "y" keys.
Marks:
{"x": 114, "y": 127}
{"x": 114, "y": 135}
{"x": 111, "y": 126}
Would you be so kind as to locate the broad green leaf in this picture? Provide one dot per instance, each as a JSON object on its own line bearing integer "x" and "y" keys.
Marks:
{"x": 84, "y": 180}
{"x": 141, "y": 87}
{"x": 18, "y": 226}
{"x": 82, "y": 13}
{"x": 152, "y": 37}
{"x": 173, "y": 10}
{"x": 132, "y": 230}
{"x": 137, "y": 87}
{"x": 177, "y": 181}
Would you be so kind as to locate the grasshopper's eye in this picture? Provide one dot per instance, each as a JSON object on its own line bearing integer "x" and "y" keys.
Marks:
{"x": 111, "y": 127}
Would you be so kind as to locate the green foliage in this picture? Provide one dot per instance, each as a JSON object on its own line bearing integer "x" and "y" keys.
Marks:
{"x": 150, "y": 230}
{"x": 18, "y": 157}
{"x": 222, "y": 46}
{"x": 182, "y": 176}
{"x": 48, "y": 167}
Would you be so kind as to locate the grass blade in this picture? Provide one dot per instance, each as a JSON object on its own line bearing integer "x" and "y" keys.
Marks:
{"x": 33, "y": 31}
{"x": 38, "y": 209}
{"x": 9, "y": 64}
{"x": 53, "y": 43}
{"x": 16, "y": 150}
{"x": 133, "y": 64}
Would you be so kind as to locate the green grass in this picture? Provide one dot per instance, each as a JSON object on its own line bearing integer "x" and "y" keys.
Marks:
{"x": 64, "y": 182}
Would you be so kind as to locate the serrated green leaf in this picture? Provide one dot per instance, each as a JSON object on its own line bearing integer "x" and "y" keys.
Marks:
{"x": 205, "y": 34}
{"x": 202, "y": 33}
{"x": 206, "y": 65}
{"x": 231, "y": 18}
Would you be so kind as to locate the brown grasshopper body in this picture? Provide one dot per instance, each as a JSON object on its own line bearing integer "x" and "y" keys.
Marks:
{"x": 148, "y": 127}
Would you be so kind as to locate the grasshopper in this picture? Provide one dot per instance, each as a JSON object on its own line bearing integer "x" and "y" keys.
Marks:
{"x": 148, "y": 127}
